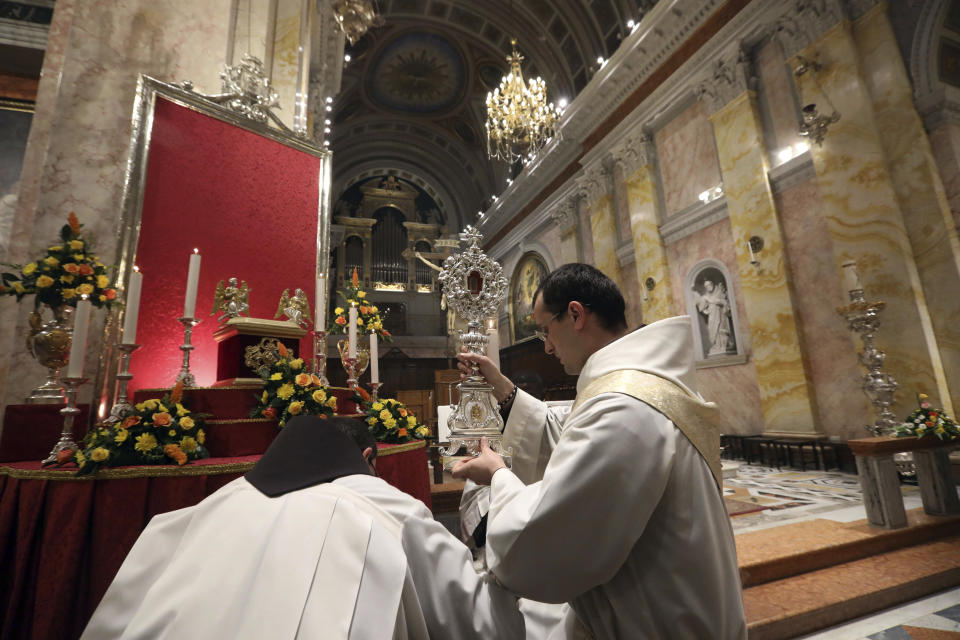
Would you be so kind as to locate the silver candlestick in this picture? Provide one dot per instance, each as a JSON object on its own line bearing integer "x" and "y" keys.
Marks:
{"x": 69, "y": 412}
{"x": 474, "y": 286}
{"x": 320, "y": 356}
{"x": 351, "y": 365}
{"x": 122, "y": 406}
{"x": 186, "y": 347}
{"x": 864, "y": 318}
{"x": 375, "y": 390}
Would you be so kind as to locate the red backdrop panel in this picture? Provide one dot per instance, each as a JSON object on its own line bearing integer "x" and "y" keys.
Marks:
{"x": 248, "y": 203}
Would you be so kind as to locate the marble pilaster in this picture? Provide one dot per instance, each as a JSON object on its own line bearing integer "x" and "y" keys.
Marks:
{"x": 636, "y": 158}
{"x": 916, "y": 181}
{"x": 777, "y": 352}
{"x": 81, "y": 133}
{"x": 595, "y": 187}
{"x": 567, "y": 220}
{"x": 864, "y": 217}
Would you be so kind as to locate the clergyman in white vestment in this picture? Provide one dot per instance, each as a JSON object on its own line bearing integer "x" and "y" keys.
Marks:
{"x": 615, "y": 508}
{"x": 309, "y": 544}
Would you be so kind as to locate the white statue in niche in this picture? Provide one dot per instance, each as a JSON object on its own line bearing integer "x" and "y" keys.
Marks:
{"x": 716, "y": 320}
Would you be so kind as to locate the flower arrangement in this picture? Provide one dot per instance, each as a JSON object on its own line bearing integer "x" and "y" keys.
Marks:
{"x": 368, "y": 315}
{"x": 389, "y": 420}
{"x": 68, "y": 271}
{"x": 927, "y": 421}
{"x": 290, "y": 391}
{"x": 160, "y": 431}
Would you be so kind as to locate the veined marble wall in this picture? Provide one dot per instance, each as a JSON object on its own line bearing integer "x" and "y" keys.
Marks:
{"x": 78, "y": 146}
{"x": 688, "y": 158}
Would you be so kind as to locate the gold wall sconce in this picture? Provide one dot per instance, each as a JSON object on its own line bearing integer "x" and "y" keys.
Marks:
{"x": 648, "y": 286}
{"x": 755, "y": 246}
{"x": 813, "y": 124}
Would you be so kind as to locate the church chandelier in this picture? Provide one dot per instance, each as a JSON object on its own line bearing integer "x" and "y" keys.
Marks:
{"x": 519, "y": 119}
{"x": 355, "y": 17}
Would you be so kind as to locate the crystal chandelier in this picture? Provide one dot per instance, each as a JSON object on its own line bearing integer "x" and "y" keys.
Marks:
{"x": 354, "y": 17}
{"x": 519, "y": 120}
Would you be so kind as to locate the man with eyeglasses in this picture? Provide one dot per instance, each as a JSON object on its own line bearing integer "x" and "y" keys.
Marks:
{"x": 614, "y": 508}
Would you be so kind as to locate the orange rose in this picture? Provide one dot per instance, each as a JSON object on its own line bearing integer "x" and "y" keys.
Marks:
{"x": 341, "y": 320}
{"x": 162, "y": 419}
{"x": 64, "y": 456}
{"x": 363, "y": 394}
{"x": 401, "y": 431}
{"x": 364, "y": 310}
{"x": 175, "y": 452}
{"x": 85, "y": 269}
{"x": 303, "y": 379}
{"x": 269, "y": 412}
{"x": 110, "y": 294}
{"x": 282, "y": 350}
{"x": 403, "y": 412}
{"x": 129, "y": 421}
{"x": 386, "y": 333}
{"x": 315, "y": 379}
{"x": 71, "y": 268}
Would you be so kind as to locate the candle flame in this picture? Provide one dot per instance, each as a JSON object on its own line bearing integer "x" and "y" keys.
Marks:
{"x": 136, "y": 268}
{"x": 84, "y": 296}
{"x": 195, "y": 250}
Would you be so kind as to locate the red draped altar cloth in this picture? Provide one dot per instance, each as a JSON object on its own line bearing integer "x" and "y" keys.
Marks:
{"x": 248, "y": 203}
{"x": 63, "y": 538}
{"x": 31, "y": 430}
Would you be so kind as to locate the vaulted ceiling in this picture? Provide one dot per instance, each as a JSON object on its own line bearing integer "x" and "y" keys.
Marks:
{"x": 413, "y": 93}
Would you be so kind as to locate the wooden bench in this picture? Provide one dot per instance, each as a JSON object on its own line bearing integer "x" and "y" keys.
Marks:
{"x": 881, "y": 484}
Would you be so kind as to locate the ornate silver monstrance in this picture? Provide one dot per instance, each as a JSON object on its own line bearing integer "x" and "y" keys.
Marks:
{"x": 474, "y": 286}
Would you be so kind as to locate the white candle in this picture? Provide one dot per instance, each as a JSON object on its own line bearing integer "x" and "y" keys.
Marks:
{"x": 374, "y": 358}
{"x": 352, "y": 332}
{"x": 851, "y": 279}
{"x": 319, "y": 295}
{"x": 78, "y": 347}
{"x": 132, "y": 310}
{"x": 493, "y": 346}
{"x": 193, "y": 279}
{"x": 753, "y": 256}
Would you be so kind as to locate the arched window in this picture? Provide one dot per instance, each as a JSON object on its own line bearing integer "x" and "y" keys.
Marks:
{"x": 389, "y": 239}
{"x": 423, "y": 273}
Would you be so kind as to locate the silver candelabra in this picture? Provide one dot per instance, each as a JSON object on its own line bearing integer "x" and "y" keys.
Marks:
{"x": 864, "y": 318}
{"x": 69, "y": 412}
{"x": 122, "y": 406}
{"x": 320, "y": 356}
{"x": 474, "y": 286}
{"x": 186, "y": 347}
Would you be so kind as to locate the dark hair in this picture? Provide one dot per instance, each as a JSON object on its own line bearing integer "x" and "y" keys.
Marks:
{"x": 590, "y": 287}
{"x": 358, "y": 432}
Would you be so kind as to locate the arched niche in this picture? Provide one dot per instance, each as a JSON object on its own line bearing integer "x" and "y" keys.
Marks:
{"x": 530, "y": 270}
{"x": 713, "y": 309}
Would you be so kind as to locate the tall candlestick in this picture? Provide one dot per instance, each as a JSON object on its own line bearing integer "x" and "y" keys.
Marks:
{"x": 352, "y": 332}
{"x": 851, "y": 279}
{"x": 319, "y": 298}
{"x": 78, "y": 348}
{"x": 132, "y": 310}
{"x": 193, "y": 280}
{"x": 374, "y": 359}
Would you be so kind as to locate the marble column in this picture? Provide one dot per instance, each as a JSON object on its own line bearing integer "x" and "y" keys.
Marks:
{"x": 595, "y": 187}
{"x": 567, "y": 220}
{"x": 785, "y": 393}
{"x": 864, "y": 215}
{"x": 919, "y": 189}
{"x": 635, "y": 158}
{"x": 81, "y": 134}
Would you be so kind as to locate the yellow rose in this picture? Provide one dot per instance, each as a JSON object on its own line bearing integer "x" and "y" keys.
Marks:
{"x": 303, "y": 379}
{"x": 79, "y": 257}
{"x": 121, "y": 436}
{"x": 265, "y": 396}
{"x": 68, "y": 294}
{"x": 373, "y": 309}
{"x": 371, "y": 421}
{"x": 296, "y": 364}
{"x": 320, "y": 396}
{"x": 361, "y": 294}
{"x": 377, "y": 406}
{"x": 390, "y": 423}
{"x": 84, "y": 289}
{"x": 76, "y": 245}
{"x": 160, "y": 406}
{"x": 332, "y": 402}
{"x": 103, "y": 298}
{"x": 188, "y": 444}
{"x": 360, "y": 321}
{"x": 29, "y": 268}
{"x": 182, "y": 410}
{"x": 145, "y": 442}
{"x": 18, "y": 287}
{"x": 285, "y": 391}
{"x": 201, "y": 436}
{"x": 412, "y": 421}
{"x": 67, "y": 279}
{"x": 51, "y": 261}
{"x": 422, "y": 431}
{"x": 338, "y": 310}
{"x": 277, "y": 376}
{"x": 103, "y": 281}
{"x": 187, "y": 423}
{"x": 44, "y": 281}
{"x": 172, "y": 432}
{"x": 99, "y": 454}
{"x": 150, "y": 404}
{"x": 295, "y": 408}
{"x": 384, "y": 414}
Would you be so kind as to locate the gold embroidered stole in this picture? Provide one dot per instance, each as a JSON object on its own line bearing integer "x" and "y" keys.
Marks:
{"x": 696, "y": 419}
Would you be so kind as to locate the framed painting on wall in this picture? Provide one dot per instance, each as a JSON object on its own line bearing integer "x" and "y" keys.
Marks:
{"x": 527, "y": 275}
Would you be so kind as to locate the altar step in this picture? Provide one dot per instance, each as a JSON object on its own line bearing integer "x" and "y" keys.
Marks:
{"x": 807, "y": 576}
